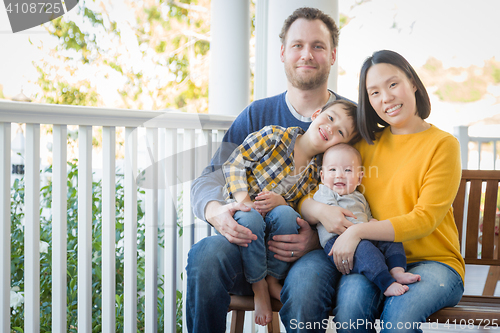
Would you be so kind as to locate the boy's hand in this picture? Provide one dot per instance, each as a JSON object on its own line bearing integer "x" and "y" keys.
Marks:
{"x": 283, "y": 245}
{"x": 334, "y": 219}
{"x": 266, "y": 201}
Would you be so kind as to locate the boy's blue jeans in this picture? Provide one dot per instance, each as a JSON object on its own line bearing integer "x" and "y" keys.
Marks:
{"x": 258, "y": 261}
{"x": 374, "y": 259}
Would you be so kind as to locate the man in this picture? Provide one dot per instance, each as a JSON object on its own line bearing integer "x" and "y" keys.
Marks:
{"x": 309, "y": 40}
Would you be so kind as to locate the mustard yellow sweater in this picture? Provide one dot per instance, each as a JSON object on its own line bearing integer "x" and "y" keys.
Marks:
{"x": 411, "y": 180}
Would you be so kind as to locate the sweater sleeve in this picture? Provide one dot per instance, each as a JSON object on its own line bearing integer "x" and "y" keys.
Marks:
{"x": 438, "y": 190}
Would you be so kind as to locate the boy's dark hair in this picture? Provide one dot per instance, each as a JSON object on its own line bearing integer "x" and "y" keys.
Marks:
{"x": 311, "y": 14}
{"x": 351, "y": 111}
{"x": 369, "y": 123}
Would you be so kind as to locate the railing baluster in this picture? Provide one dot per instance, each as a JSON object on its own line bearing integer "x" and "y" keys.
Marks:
{"x": 210, "y": 138}
{"x": 220, "y": 136}
{"x": 85, "y": 229}
{"x": 479, "y": 143}
{"x": 5, "y": 170}
{"x": 130, "y": 232}
{"x": 151, "y": 260}
{"x": 59, "y": 228}
{"x": 108, "y": 229}
{"x": 170, "y": 258}
{"x": 32, "y": 231}
{"x": 188, "y": 217}
{"x": 202, "y": 155}
{"x": 494, "y": 154}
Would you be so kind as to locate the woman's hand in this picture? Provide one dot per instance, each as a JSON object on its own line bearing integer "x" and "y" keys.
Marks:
{"x": 266, "y": 201}
{"x": 343, "y": 250}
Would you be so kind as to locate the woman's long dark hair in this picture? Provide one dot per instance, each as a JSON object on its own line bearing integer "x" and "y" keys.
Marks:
{"x": 369, "y": 123}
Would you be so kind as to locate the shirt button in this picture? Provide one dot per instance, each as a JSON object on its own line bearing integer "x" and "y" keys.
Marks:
{"x": 273, "y": 185}
{"x": 292, "y": 168}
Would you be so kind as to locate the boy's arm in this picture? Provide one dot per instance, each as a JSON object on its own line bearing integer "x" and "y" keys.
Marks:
{"x": 332, "y": 217}
{"x": 245, "y": 157}
{"x": 244, "y": 198}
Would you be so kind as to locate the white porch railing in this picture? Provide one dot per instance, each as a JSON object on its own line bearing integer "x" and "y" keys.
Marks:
{"x": 172, "y": 139}
{"x": 462, "y": 134}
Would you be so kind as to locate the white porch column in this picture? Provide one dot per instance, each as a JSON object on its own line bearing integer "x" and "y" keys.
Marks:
{"x": 229, "y": 88}
{"x": 270, "y": 76}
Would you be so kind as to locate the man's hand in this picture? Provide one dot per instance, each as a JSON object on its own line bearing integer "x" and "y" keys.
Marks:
{"x": 267, "y": 201}
{"x": 221, "y": 218}
{"x": 283, "y": 245}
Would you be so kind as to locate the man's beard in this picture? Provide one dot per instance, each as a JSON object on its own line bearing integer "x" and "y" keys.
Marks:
{"x": 306, "y": 83}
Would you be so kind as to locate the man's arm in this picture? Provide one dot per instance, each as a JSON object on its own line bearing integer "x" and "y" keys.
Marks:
{"x": 209, "y": 204}
{"x": 207, "y": 188}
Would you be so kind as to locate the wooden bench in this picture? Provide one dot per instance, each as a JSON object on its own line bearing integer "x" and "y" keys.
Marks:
{"x": 481, "y": 310}
{"x": 467, "y": 209}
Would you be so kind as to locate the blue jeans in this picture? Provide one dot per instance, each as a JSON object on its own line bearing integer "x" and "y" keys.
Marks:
{"x": 258, "y": 262}
{"x": 215, "y": 270}
{"x": 374, "y": 259}
{"x": 360, "y": 302}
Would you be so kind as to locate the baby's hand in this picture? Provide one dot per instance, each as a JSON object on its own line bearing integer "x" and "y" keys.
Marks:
{"x": 266, "y": 201}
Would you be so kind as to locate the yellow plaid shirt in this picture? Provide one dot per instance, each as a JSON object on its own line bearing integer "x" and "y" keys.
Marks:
{"x": 263, "y": 160}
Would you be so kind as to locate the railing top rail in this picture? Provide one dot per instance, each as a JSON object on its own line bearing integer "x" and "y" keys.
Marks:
{"x": 483, "y": 139}
{"x": 22, "y": 112}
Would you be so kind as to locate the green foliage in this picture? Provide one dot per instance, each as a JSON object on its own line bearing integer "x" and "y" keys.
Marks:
{"x": 343, "y": 20}
{"x": 61, "y": 92}
{"x": 165, "y": 66}
{"x": 433, "y": 65}
{"x": 469, "y": 91}
{"x": 492, "y": 67}
{"x": 17, "y": 256}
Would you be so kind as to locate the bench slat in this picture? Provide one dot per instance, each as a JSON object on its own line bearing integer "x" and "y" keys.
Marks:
{"x": 473, "y": 219}
{"x": 458, "y": 208}
{"x": 490, "y": 206}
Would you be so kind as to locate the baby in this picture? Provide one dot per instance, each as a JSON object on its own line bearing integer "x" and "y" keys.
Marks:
{"x": 383, "y": 263}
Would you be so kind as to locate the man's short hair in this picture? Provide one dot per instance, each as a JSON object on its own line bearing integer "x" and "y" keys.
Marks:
{"x": 311, "y": 14}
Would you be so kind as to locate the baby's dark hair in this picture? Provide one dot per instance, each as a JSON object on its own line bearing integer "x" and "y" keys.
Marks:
{"x": 351, "y": 111}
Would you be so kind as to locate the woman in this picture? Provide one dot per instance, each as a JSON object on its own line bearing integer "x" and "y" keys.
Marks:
{"x": 412, "y": 174}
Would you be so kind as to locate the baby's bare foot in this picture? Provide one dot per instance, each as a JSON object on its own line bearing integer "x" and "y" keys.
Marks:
{"x": 404, "y": 277}
{"x": 395, "y": 289}
{"x": 263, "y": 310}
{"x": 274, "y": 287}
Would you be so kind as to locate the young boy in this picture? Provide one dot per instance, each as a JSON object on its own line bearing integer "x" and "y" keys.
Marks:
{"x": 383, "y": 263}
{"x": 270, "y": 171}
